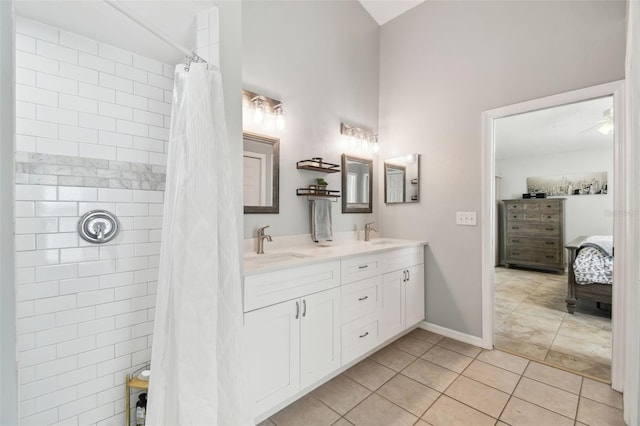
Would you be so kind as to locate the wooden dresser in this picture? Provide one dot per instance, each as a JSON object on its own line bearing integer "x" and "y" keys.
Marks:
{"x": 534, "y": 233}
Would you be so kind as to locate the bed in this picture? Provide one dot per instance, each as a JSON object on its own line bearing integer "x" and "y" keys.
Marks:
{"x": 590, "y": 275}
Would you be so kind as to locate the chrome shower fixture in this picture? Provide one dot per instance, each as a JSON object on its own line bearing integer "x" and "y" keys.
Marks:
{"x": 98, "y": 226}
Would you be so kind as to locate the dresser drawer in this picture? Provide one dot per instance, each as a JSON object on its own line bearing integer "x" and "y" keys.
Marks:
{"x": 511, "y": 206}
{"x": 361, "y": 298}
{"x": 540, "y": 243}
{"x": 359, "y": 337}
{"x": 515, "y": 216}
{"x": 551, "y": 217}
{"x": 394, "y": 260}
{"x": 273, "y": 287}
{"x": 533, "y": 229}
{"x": 360, "y": 268}
{"x": 532, "y": 255}
{"x": 531, "y": 207}
{"x": 550, "y": 207}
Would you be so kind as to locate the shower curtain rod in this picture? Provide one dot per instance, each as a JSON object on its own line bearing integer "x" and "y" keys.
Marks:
{"x": 190, "y": 54}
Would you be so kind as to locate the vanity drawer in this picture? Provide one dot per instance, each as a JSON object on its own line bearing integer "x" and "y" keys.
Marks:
{"x": 359, "y": 337}
{"x": 360, "y": 268}
{"x": 361, "y": 298}
{"x": 273, "y": 287}
{"x": 402, "y": 258}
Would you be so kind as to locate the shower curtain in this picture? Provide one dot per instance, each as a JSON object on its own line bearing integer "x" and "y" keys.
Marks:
{"x": 197, "y": 365}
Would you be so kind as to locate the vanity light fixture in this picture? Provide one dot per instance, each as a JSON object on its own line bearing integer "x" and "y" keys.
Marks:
{"x": 278, "y": 111}
{"x": 359, "y": 139}
{"x": 258, "y": 110}
{"x": 267, "y": 112}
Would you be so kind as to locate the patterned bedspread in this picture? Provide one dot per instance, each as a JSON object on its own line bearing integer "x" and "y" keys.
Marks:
{"x": 593, "y": 265}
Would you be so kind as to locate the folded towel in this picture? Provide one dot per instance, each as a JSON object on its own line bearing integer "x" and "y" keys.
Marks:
{"x": 321, "y": 219}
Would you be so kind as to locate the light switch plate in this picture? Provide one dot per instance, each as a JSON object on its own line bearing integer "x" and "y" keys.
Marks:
{"x": 466, "y": 218}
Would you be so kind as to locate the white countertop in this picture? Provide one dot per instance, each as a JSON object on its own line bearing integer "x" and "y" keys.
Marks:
{"x": 288, "y": 257}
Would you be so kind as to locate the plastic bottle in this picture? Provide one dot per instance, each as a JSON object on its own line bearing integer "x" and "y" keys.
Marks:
{"x": 141, "y": 409}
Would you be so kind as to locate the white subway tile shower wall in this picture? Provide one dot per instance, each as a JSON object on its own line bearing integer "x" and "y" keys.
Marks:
{"x": 90, "y": 135}
{"x": 78, "y": 97}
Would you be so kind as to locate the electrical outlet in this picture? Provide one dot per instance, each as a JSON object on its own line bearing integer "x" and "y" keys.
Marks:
{"x": 466, "y": 218}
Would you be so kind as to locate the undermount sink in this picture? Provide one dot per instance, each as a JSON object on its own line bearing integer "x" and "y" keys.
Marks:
{"x": 275, "y": 257}
{"x": 381, "y": 241}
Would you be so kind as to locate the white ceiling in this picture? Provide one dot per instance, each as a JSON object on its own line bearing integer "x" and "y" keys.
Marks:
{"x": 97, "y": 20}
{"x": 175, "y": 18}
{"x": 385, "y": 10}
{"x": 565, "y": 128}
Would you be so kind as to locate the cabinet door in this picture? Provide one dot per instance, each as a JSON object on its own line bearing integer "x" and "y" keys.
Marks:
{"x": 392, "y": 315}
{"x": 319, "y": 335}
{"x": 273, "y": 342}
{"x": 414, "y": 295}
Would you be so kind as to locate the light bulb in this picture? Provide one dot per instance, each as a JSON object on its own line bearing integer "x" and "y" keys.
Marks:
{"x": 352, "y": 142}
{"x": 280, "y": 121}
{"x": 258, "y": 114}
{"x": 376, "y": 147}
{"x": 258, "y": 110}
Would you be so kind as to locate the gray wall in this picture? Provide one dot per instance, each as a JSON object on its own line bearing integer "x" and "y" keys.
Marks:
{"x": 321, "y": 60}
{"x": 8, "y": 382}
{"x": 441, "y": 65}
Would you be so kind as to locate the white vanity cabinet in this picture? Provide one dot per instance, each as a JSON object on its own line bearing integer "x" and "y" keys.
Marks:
{"x": 319, "y": 336}
{"x": 273, "y": 353}
{"x": 361, "y": 303}
{"x": 402, "y": 291}
{"x": 294, "y": 343}
{"x": 304, "y": 324}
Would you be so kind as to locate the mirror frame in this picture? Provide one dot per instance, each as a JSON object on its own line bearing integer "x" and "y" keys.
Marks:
{"x": 275, "y": 202}
{"x": 418, "y": 183}
{"x": 404, "y": 183}
{"x": 345, "y": 205}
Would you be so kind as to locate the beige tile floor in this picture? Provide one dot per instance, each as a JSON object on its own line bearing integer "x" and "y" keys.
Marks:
{"x": 532, "y": 320}
{"x": 424, "y": 379}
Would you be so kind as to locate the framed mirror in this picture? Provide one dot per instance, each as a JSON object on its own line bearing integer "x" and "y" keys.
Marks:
{"x": 261, "y": 164}
{"x": 357, "y": 182}
{"x": 402, "y": 179}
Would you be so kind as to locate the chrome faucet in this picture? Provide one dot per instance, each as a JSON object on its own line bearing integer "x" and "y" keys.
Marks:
{"x": 367, "y": 230}
{"x": 261, "y": 237}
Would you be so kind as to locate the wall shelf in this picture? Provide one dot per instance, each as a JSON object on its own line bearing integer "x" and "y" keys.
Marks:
{"x": 312, "y": 193}
{"x": 132, "y": 382}
{"x": 317, "y": 165}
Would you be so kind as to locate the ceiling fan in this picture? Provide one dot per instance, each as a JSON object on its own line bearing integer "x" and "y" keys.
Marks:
{"x": 604, "y": 126}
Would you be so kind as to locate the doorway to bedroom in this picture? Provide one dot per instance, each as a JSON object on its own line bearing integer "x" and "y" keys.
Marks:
{"x": 555, "y": 168}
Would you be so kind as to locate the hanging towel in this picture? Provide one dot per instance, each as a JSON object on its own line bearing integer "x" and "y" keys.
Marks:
{"x": 321, "y": 220}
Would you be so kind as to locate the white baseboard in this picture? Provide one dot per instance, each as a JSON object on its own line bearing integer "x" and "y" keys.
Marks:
{"x": 452, "y": 334}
